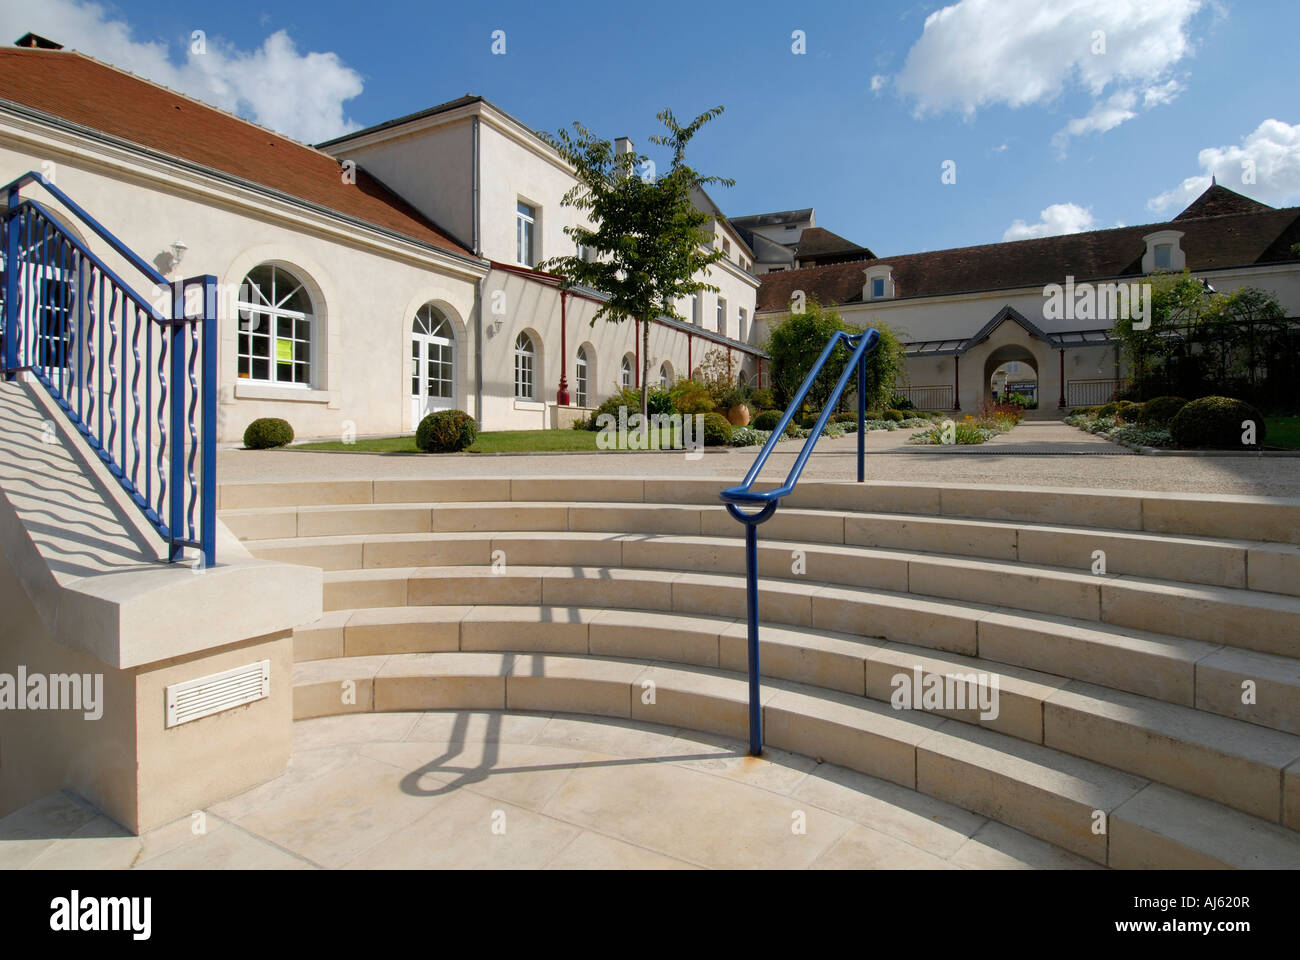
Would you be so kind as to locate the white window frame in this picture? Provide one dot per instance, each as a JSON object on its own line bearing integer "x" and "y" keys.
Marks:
{"x": 722, "y": 316}
{"x": 626, "y": 378}
{"x": 271, "y": 309}
{"x": 525, "y": 368}
{"x": 582, "y": 378}
{"x": 743, "y": 324}
{"x": 526, "y": 225}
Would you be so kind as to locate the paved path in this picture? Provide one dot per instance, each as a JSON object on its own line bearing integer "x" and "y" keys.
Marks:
{"x": 412, "y": 790}
{"x": 1033, "y": 454}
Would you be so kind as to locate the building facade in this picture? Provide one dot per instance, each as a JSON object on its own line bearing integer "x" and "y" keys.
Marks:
{"x": 1046, "y": 304}
{"x": 368, "y": 282}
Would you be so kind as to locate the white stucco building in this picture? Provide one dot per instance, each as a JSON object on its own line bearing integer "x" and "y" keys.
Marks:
{"x": 966, "y": 313}
{"x": 367, "y": 282}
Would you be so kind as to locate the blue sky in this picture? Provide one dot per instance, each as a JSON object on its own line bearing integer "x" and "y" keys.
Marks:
{"x": 859, "y": 126}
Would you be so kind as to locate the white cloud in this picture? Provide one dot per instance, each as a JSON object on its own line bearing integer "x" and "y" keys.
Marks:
{"x": 979, "y": 53}
{"x": 298, "y": 94}
{"x": 1057, "y": 219}
{"x": 1270, "y": 156}
{"x": 878, "y": 83}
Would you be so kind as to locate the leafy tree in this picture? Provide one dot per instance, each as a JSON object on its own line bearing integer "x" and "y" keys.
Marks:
{"x": 649, "y": 242}
{"x": 796, "y": 342}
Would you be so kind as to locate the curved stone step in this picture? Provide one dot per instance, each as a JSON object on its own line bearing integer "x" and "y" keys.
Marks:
{"x": 1264, "y": 519}
{"x": 1237, "y": 763}
{"x": 317, "y": 535}
{"x": 1264, "y": 623}
{"x": 1039, "y": 790}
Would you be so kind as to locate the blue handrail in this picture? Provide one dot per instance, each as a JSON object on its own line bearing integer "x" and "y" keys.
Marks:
{"x": 71, "y": 322}
{"x": 768, "y": 500}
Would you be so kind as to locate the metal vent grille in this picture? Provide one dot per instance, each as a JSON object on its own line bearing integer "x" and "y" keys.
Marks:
{"x": 205, "y": 696}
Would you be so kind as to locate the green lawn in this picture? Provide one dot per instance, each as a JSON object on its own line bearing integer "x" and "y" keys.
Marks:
{"x": 493, "y": 441}
{"x": 1282, "y": 432}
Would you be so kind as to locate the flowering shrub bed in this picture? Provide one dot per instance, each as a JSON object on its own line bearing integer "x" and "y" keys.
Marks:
{"x": 991, "y": 421}
{"x": 1127, "y": 434}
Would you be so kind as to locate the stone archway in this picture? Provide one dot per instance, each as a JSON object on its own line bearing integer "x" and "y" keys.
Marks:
{"x": 1008, "y": 353}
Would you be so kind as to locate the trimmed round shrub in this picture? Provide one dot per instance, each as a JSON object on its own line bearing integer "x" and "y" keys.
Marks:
{"x": 1108, "y": 409}
{"x": 767, "y": 420}
{"x": 717, "y": 431}
{"x": 267, "y": 432}
{"x": 1161, "y": 410}
{"x": 894, "y": 416}
{"x": 762, "y": 399}
{"x": 447, "y": 431}
{"x": 1128, "y": 411}
{"x": 1215, "y": 422}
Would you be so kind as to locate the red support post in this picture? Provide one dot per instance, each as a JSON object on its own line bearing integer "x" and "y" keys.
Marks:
{"x": 1061, "y": 404}
{"x": 956, "y": 382}
{"x": 562, "y": 395}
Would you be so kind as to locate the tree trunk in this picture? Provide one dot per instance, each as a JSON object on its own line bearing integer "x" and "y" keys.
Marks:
{"x": 645, "y": 373}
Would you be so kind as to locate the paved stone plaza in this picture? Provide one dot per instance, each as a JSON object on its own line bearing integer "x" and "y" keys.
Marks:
{"x": 1036, "y": 453}
{"x": 424, "y": 790}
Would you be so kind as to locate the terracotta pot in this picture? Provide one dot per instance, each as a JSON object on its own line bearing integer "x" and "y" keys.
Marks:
{"x": 738, "y": 416}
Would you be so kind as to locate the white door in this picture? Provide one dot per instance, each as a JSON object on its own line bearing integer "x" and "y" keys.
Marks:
{"x": 433, "y": 364}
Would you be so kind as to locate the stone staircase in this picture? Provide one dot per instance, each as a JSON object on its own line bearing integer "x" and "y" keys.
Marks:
{"x": 1148, "y": 715}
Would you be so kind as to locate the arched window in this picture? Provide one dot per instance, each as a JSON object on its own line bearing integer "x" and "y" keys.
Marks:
{"x": 276, "y": 327}
{"x": 525, "y": 365}
{"x": 626, "y": 373}
{"x": 582, "y": 377}
{"x": 665, "y": 375}
{"x": 741, "y": 379}
{"x": 433, "y": 362}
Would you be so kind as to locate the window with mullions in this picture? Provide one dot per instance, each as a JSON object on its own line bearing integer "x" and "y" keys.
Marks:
{"x": 582, "y": 377}
{"x": 525, "y": 225}
{"x": 432, "y": 331}
{"x": 525, "y": 364}
{"x": 276, "y": 321}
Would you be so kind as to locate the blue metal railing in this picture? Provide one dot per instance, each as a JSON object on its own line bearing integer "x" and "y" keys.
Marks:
{"x": 768, "y": 500}
{"x": 71, "y": 322}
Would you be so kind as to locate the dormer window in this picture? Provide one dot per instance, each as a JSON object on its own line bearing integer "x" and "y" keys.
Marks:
{"x": 880, "y": 283}
{"x": 1164, "y": 252}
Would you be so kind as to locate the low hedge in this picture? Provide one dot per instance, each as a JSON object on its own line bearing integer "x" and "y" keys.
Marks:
{"x": 767, "y": 420}
{"x": 894, "y": 416}
{"x": 447, "y": 431}
{"x": 1161, "y": 410}
{"x": 267, "y": 432}
{"x": 717, "y": 431}
{"x": 1215, "y": 422}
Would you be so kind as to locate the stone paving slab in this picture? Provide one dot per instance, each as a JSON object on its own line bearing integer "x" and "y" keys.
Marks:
{"x": 1038, "y": 453}
{"x": 493, "y": 790}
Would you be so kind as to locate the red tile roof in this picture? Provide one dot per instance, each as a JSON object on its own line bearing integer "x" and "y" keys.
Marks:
{"x": 1231, "y": 240}
{"x": 74, "y": 87}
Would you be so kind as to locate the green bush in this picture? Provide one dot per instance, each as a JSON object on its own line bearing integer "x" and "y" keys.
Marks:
{"x": 717, "y": 431}
{"x": 893, "y": 416}
{"x": 900, "y": 402}
{"x": 1215, "y": 422}
{"x": 762, "y": 399}
{"x": 767, "y": 420}
{"x": 658, "y": 401}
{"x": 1160, "y": 410}
{"x": 689, "y": 397}
{"x": 629, "y": 397}
{"x": 267, "y": 432}
{"x": 1108, "y": 409}
{"x": 1128, "y": 411}
{"x": 447, "y": 431}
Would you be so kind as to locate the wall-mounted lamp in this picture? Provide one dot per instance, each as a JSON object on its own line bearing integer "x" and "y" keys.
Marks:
{"x": 178, "y": 249}
{"x": 494, "y": 326}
